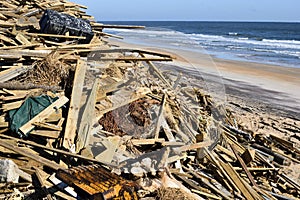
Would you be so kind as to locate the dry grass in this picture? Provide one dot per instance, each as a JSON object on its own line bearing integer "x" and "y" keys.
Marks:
{"x": 50, "y": 72}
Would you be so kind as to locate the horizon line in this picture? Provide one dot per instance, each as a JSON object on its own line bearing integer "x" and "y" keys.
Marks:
{"x": 200, "y": 21}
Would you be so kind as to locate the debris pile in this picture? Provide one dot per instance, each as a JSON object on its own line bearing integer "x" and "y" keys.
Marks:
{"x": 82, "y": 119}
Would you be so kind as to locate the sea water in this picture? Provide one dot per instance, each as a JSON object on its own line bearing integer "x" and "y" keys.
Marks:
{"x": 262, "y": 42}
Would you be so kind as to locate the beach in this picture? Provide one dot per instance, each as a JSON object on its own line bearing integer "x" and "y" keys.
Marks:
{"x": 265, "y": 98}
{"x": 146, "y": 109}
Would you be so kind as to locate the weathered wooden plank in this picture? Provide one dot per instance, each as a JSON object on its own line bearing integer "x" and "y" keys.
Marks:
{"x": 37, "y": 158}
{"x": 44, "y": 114}
{"x": 134, "y": 59}
{"x": 47, "y": 126}
{"x": 42, "y": 184}
{"x": 160, "y": 118}
{"x": 11, "y": 106}
{"x": 138, "y": 142}
{"x": 12, "y": 72}
{"x": 244, "y": 167}
{"x": 238, "y": 181}
{"x": 72, "y": 119}
{"x": 157, "y": 71}
{"x": 44, "y": 133}
{"x": 22, "y": 39}
{"x": 87, "y": 119}
{"x": 66, "y": 153}
{"x": 54, "y": 35}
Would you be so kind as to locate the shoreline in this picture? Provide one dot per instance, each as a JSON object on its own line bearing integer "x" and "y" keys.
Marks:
{"x": 273, "y": 85}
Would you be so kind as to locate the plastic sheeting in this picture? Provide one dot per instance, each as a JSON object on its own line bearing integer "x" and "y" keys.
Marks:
{"x": 29, "y": 109}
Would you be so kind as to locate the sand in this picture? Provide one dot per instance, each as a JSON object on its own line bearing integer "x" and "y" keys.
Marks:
{"x": 265, "y": 99}
{"x": 275, "y": 85}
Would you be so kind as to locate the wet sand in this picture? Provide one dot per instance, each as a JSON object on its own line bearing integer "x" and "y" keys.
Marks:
{"x": 275, "y": 88}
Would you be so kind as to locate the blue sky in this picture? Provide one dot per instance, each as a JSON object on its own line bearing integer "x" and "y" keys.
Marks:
{"x": 200, "y": 10}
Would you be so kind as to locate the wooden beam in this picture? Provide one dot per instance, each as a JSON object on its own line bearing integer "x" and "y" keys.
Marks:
{"x": 47, "y": 126}
{"x": 26, "y": 128}
{"x": 45, "y": 133}
{"x": 249, "y": 195}
{"x": 72, "y": 119}
{"x": 62, "y": 152}
{"x": 12, "y": 72}
{"x": 138, "y": 142}
{"x": 160, "y": 117}
{"x": 42, "y": 184}
{"x": 54, "y": 35}
{"x": 37, "y": 158}
{"x": 244, "y": 167}
{"x": 134, "y": 59}
{"x": 88, "y": 118}
{"x": 157, "y": 71}
{"x": 124, "y": 50}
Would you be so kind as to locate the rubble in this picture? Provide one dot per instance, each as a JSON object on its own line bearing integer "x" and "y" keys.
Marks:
{"x": 116, "y": 126}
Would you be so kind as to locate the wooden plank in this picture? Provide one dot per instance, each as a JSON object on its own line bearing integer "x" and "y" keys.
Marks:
{"x": 72, "y": 119}
{"x": 244, "y": 167}
{"x": 238, "y": 181}
{"x": 12, "y": 72}
{"x": 284, "y": 142}
{"x": 24, "y": 52}
{"x": 160, "y": 118}
{"x": 42, "y": 184}
{"x": 4, "y": 124}
{"x": 257, "y": 169}
{"x": 87, "y": 119}
{"x": 47, "y": 126}
{"x": 22, "y": 39}
{"x": 206, "y": 182}
{"x": 211, "y": 196}
{"x": 62, "y": 152}
{"x": 37, "y": 158}
{"x": 26, "y": 128}
{"x": 217, "y": 162}
{"x": 8, "y": 40}
{"x": 194, "y": 146}
{"x": 140, "y": 51}
{"x": 45, "y": 133}
{"x": 134, "y": 59}
{"x": 54, "y": 35}
{"x": 138, "y": 142}
{"x": 11, "y": 106}
{"x": 167, "y": 130}
{"x": 157, "y": 71}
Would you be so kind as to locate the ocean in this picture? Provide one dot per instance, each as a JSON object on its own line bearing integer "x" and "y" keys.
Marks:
{"x": 262, "y": 42}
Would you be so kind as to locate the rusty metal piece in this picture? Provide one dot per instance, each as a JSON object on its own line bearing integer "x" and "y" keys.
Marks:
{"x": 98, "y": 183}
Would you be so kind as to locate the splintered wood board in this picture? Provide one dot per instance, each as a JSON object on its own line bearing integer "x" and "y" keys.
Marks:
{"x": 75, "y": 102}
